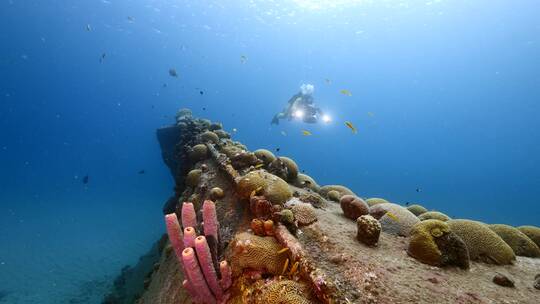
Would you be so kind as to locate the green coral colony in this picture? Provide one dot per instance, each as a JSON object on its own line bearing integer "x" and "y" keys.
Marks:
{"x": 266, "y": 183}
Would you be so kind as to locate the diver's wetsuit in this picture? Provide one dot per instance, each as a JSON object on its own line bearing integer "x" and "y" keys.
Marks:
{"x": 302, "y": 102}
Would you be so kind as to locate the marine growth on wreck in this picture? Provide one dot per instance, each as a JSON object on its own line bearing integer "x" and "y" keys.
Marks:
{"x": 245, "y": 227}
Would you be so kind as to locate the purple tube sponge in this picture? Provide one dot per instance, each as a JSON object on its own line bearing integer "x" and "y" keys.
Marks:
{"x": 226, "y": 275}
{"x": 211, "y": 225}
{"x": 207, "y": 265}
{"x": 195, "y": 277}
{"x": 189, "y": 237}
{"x": 189, "y": 217}
{"x": 175, "y": 234}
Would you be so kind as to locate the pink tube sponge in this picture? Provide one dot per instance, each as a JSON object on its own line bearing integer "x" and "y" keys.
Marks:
{"x": 189, "y": 217}
{"x": 175, "y": 234}
{"x": 195, "y": 276}
{"x": 226, "y": 276}
{"x": 211, "y": 225}
{"x": 207, "y": 265}
{"x": 189, "y": 237}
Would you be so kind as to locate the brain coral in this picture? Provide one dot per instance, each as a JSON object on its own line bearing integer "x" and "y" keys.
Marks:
{"x": 532, "y": 232}
{"x": 209, "y": 136}
{"x": 341, "y": 189}
{"x": 256, "y": 252}
{"x": 434, "y": 215}
{"x": 216, "y": 193}
{"x": 198, "y": 152}
{"x": 193, "y": 177}
{"x": 305, "y": 181}
{"x": 417, "y": 209}
{"x": 353, "y": 207}
{"x": 517, "y": 240}
{"x": 266, "y": 156}
{"x": 283, "y": 292}
{"x": 272, "y": 187}
{"x": 375, "y": 201}
{"x": 398, "y": 220}
{"x": 304, "y": 213}
{"x": 432, "y": 242}
{"x": 378, "y": 210}
{"x": 483, "y": 244}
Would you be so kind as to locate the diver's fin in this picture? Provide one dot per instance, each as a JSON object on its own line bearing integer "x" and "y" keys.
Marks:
{"x": 275, "y": 120}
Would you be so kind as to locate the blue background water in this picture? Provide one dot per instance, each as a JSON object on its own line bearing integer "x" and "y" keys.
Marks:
{"x": 453, "y": 86}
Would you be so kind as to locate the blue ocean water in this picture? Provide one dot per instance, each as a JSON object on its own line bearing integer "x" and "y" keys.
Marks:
{"x": 445, "y": 97}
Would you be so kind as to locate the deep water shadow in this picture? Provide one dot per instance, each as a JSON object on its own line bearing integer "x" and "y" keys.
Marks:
{"x": 3, "y": 295}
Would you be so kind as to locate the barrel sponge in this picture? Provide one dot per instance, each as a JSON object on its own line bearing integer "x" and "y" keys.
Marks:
{"x": 193, "y": 177}
{"x": 256, "y": 252}
{"x": 292, "y": 167}
{"x": 398, "y": 221}
{"x": 222, "y": 134}
{"x": 198, "y": 152}
{"x": 341, "y": 189}
{"x": 483, "y": 244}
{"x": 432, "y": 242}
{"x": 272, "y": 187}
{"x": 306, "y": 181}
{"x": 517, "y": 240}
{"x": 375, "y": 201}
{"x": 417, "y": 209}
{"x": 532, "y": 232}
{"x": 284, "y": 292}
{"x": 434, "y": 215}
{"x": 266, "y": 156}
{"x": 209, "y": 136}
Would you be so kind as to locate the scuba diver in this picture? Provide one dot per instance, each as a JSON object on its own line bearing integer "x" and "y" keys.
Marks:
{"x": 301, "y": 106}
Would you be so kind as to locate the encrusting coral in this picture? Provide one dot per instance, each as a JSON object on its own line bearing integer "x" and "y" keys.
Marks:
{"x": 532, "y": 232}
{"x": 434, "y": 215}
{"x": 417, "y": 209}
{"x": 272, "y": 187}
{"x": 369, "y": 230}
{"x": 432, "y": 242}
{"x": 353, "y": 207}
{"x": 520, "y": 243}
{"x": 483, "y": 244}
{"x": 258, "y": 253}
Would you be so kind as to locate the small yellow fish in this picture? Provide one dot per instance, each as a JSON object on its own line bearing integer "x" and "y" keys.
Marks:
{"x": 259, "y": 166}
{"x": 282, "y": 250}
{"x": 370, "y": 114}
{"x": 346, "y": 92}
{"x": 392, "y": 216}
{"x": 294, "y": 268}
{"x": 283, "y": 133}
{"x": 285, "y": 266}
{"x": 350, "y": 126}
{"x": 243, "y": 59}
{"x": 306, "y": 133}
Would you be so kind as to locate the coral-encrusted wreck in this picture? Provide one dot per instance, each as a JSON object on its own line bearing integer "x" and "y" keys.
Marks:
{"x": 247, "y": 227}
